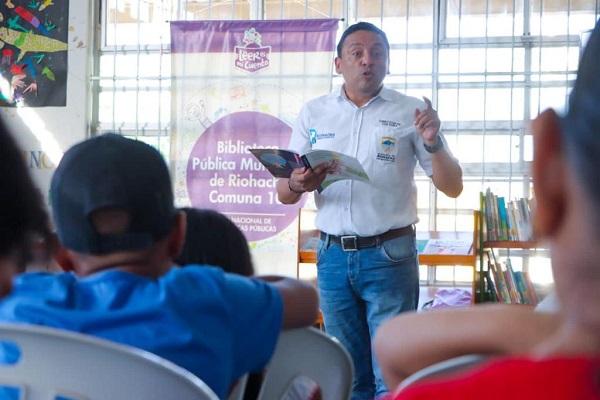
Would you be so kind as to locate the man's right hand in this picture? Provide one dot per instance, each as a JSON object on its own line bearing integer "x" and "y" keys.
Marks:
{"x": 302, "y": 180}
{"x": 307, "y": 179}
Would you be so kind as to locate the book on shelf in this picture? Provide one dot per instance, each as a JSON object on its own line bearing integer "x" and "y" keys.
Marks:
{"x": 280, "y": 163}
{"x": 522, "y": 288}
{"x": 503, "y": 223}
{"x": 530, "y": 289}
{"x": 513, "y": 290}
{"x": 491, "y": 287}
{"x": 510, "y": 286}
{"x": 498, "y": 278}
{"x": 505, "y": 220}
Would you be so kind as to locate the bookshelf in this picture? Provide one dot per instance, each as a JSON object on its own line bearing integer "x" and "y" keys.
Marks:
{"x": 454, "y": 248}
{"x": 494, "y": 216}
{"x": 484, "y": 268}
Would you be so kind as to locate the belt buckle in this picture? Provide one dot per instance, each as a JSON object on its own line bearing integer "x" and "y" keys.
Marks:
{"x": 349, "y": 243}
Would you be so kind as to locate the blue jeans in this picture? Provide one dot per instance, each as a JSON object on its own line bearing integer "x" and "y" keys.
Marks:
{"x": 359, "y": 290}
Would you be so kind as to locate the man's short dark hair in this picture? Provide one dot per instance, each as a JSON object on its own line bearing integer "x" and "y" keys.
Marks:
{"x": 361, "y": 26}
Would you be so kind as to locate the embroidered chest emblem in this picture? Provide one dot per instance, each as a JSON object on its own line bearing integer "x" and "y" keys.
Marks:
{"x": 387, "y": 148}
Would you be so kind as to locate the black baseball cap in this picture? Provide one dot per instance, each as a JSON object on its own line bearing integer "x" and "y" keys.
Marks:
{"x": 111, "y": 171}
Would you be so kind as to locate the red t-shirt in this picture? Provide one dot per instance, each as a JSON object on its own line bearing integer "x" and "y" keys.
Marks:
{"x": 515, "y": 379}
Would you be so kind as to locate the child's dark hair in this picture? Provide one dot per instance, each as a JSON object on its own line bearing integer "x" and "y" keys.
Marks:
{"x": 23, "y": 217}
{"x": 581, "y": 125}
{"x": 214, "y": 239}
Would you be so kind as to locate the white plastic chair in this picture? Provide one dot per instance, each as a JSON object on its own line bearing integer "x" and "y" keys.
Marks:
{"x": 312, "y": 353}
{"x": 239, "y": 389}
{"x": 457, "y": 364}
{"x": 56, "y": 363}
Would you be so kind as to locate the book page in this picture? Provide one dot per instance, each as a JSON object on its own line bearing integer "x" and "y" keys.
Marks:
{"x": 342, "y": 166}
{"x": 448, "y": 246}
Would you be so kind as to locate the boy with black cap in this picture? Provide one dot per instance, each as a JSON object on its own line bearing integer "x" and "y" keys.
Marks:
{"x": 114, "y": 214}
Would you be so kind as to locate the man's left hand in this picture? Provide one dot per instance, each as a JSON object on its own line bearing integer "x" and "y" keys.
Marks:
{"x": 427, "y": 123}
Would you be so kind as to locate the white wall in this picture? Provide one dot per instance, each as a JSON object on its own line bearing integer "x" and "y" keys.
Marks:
{"x": 44, "y": 133}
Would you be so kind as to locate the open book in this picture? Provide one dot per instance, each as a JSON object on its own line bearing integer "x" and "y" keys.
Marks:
{"x": 280, "y": 163}
{"x": 447, "y": 246}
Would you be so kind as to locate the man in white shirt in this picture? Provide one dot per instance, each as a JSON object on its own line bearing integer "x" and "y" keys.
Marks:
{"x": 367, "y": 260}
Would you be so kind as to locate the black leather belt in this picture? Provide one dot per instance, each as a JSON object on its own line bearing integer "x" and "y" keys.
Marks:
{"x": 355, "y": 243}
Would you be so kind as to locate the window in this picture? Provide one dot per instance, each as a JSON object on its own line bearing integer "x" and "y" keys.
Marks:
{"x": 489, "y": 66}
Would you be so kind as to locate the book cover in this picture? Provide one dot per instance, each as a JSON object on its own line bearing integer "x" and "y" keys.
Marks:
{"x": 489, "y": 216}
{"x": 448, "y": 246}
{"x": 530, "y": 287}
{"x": 522, "y": 287}
{"x": 503, "y": 223}
{"x": 280, "y": 163}
{"x": 526, "y": 215}
{"x": 310, "y": 244}
{"x": 492, "y": 291}
{"x": 501, "y": 292}
{"x": 496, "y": 218}
{"x": 421, "y": 244}
{"x": 498, "y": 277}
{"x": 509, "y": 277}
{"x": 513, "y": 231}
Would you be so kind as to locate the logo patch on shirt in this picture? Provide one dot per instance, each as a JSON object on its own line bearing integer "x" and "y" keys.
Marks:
{"x": 387, "y": 147}
{"x": 314, "y": 136}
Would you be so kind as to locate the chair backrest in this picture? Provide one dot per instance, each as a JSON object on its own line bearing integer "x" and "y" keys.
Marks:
{"x": 58, "y": 364}
{"x": 311, "y": 353}
{"x": 237, "y": 393}
{"x": 453, "y": 365}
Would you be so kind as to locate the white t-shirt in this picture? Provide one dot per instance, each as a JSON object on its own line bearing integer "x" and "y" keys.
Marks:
{"x": 382, "y": 136}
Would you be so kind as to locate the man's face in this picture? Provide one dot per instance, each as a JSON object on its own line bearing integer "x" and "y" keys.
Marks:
{"x": 364, "y": 62}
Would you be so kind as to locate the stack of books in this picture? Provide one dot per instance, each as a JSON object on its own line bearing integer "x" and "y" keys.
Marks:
{"x": 506, "y": 220}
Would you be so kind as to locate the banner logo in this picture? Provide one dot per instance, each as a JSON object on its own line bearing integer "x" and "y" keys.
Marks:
{"x": 252, "y": 57}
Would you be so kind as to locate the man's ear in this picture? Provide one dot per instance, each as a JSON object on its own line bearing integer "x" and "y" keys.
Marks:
{"x": 548, "y": 172}
{"x": 62, "y": 257}
{"x": 337, "y": 61}
{"x": 177, "y": 235}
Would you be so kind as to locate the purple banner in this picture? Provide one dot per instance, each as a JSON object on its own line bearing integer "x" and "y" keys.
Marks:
{"x": 229, "y": 95}
{"x": 281, "y": 35}
{"x": 224, "y": 176}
